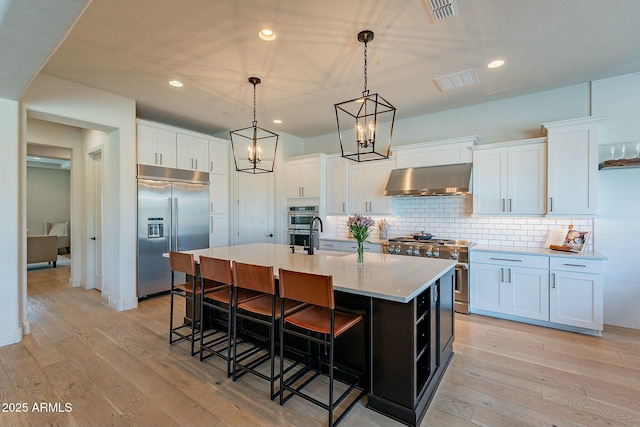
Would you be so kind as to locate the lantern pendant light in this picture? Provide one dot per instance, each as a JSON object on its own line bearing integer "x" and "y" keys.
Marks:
{"x": 259, "y": 141}
{"x": 365, "y": 120}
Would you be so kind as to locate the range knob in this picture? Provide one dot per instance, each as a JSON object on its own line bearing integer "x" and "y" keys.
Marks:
{"x": 397, "y": 250}
{"x": 410, "y": 250}
{"x": 436, "y": 253}
{"x": 416, "y": 251}
{"x": 390, "y": 249}
{"x": 454, "y": 254}
{"x": 429, "y": 251}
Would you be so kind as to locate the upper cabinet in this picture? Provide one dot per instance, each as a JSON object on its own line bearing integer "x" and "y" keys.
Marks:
{"x": 192, "y": 153}
{"x": 366, "y": 187}
{"x": 156, "y": 146}
{"x": 510, "y": 178}
{"x": 337, "y": 185}
{"x": 572, "y": 166}
{"x": 305, "y": 176}
{"x": 444, "y": 152}
{"x": 218, "y": 156}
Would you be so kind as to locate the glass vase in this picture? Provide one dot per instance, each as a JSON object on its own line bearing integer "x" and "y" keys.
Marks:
{"x": 360, "y": 252}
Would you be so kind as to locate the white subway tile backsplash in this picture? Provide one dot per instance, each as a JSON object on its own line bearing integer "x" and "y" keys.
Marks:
{"x": 450, "y": 217}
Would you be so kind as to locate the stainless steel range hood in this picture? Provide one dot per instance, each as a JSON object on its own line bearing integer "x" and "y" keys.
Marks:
{"x": 430, "y": 181}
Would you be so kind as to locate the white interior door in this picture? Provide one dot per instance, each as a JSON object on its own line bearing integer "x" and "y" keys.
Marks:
{"x": 96, "y": 237}
{"x": 256, "y": 208}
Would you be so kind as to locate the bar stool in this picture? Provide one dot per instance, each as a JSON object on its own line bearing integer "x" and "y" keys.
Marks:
{"x": 264, "y": 310}
{"x": 320, "y": 323}
{"x": 217, "y": 278}
{"x": 184, "y": 263}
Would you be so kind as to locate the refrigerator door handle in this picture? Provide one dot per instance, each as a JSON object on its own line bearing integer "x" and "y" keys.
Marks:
{"x": 170, "y": 225}
{"x": 175, "y": 221}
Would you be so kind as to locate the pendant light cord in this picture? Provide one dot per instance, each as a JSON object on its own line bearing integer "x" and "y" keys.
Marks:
{"x": 255, "y": 122}
{"x": 365, "y": 91}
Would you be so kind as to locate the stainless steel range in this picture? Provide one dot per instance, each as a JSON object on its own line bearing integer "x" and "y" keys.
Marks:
{"x": 425, "y": 245}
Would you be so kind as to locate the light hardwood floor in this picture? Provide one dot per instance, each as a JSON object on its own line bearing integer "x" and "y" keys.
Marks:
{"x": 118, "y": 369}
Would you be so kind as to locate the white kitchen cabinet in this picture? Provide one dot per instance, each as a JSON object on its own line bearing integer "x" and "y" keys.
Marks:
{"x": 367, "y": 182}
{"x": 156, "y": 146}
{"x": 576, "y": 294}
{"x": 305, "y": 177}
{"x": 192, "y": 153}
{"x": 218, "y": 230}
{"x": 510, "y": 178}
{"x": 218, "y": 157}
{"x": 516, "y": 285}
{"x": 435, "y": 153}
{"x": 572, "y": 175}
{"x": 218, "y": 194}
{"x": 337, "y": 186}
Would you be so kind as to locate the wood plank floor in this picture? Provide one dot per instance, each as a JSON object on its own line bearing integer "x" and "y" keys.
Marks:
{"x": 118, "y": 369}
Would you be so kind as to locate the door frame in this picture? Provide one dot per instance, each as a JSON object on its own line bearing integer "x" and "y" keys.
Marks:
{"x": 90, "y": 217}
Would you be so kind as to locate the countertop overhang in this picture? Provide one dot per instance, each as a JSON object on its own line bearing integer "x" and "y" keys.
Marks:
{"x": 384, "y": 276}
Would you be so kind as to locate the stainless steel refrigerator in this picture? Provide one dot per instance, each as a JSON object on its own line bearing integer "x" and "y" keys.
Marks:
{"x": 173, "y": 214}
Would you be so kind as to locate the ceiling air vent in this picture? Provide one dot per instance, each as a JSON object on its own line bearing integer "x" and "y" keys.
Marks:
{"x": 456, "y": 80}
{"x": 441, "y": 9}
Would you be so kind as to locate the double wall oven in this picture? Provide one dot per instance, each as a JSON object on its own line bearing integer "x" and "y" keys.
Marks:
{"x": 421, "y": 245}
{"x": 298, "y": 224}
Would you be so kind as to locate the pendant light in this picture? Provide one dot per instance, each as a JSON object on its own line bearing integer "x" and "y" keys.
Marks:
{"x": 251, "y": 158}
{"x": 365, "y": 120}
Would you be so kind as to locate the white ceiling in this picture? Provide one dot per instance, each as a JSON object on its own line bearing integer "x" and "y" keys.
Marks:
{"x": 133, "y": 47}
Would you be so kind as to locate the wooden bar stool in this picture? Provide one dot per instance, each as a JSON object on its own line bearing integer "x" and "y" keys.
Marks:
{"x": 184, "y": 263}
{"x": 217, "y": 278}
{"x": 320, "y": 323}
{"x": 264, "y": 310}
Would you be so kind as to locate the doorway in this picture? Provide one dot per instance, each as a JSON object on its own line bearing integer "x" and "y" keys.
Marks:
{"x": 94, "y": 218}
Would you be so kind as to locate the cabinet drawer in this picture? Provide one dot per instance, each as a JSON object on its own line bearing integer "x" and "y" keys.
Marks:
{"x": 353, "y": 247}
{"x": 330, "y": 245}
{"x": 575, "y": 264}
{"x": 509, "y": 259}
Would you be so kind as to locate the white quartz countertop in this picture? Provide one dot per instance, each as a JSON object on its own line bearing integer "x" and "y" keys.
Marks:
{"x": 538, "y": 251}
{"x": 390, "y": 277}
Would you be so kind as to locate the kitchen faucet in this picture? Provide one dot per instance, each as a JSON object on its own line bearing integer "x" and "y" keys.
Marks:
{"x": 312, "y": 234}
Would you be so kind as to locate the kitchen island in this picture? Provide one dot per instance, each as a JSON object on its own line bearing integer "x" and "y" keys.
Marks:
{"x": 408, "y": 307}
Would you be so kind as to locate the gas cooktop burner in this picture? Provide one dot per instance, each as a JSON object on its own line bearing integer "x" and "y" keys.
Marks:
{"x": 430, "y": 242}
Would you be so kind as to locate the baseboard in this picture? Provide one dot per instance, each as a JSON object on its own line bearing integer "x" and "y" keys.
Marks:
{"x": 10, "y": 337}
{"x": 121, "y": 305}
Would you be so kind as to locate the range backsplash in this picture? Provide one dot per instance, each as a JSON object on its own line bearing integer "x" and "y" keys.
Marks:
{"x": 450, "y": 217}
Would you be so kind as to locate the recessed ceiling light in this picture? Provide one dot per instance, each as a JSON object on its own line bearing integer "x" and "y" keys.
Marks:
{"x": 277, "y": 121}
{"x": 267, "y": 35}
{"x": 495, "y": 63}
{"x": 175, "y": 83}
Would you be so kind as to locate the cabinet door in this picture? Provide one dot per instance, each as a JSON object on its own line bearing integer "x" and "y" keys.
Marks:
{"x": 486, "y": 292}
{"x": 529, "y": 292}
{"x": 576, "y": 299}
{"x": 156, "y": 147}
{"x": 219, "y": 230}
{"x": 218, "y": 157}
{"x": 490, "y": 181}
{"x": 526, "y": 180}
{"x": 337, "y": 179}
{"x": 294, "y": 184}
{"x": 358, "y": 189}
{"x": 377, "y": 177}
{"x": 192, "y": 153}
{"x": 572, "y": 174}
{"x": 218, "y": 194}
{"x": 167, "y": 148}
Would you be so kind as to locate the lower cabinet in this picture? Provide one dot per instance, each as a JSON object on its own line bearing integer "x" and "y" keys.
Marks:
{"x": 554, "y": 291}
{"x": 576, "y": 293}
{"x": 348, "y": 246}
{"x": 404, "y": 382}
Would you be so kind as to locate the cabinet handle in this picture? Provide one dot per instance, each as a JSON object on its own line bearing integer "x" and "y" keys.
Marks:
{"x": 211, "y": 220}
{"x": 160, "y": 158}
{"x": 550, "y": 204}
{"x": 196, "y": 163}
{"x": 343, "y": 207}
{"x": 501, "y": 274}
{"x": 156, "y": 161}
{"x": 575, "y": 265}
{"x": 509, "y": 281}
{"x": 502, "y": 208}
{"x": 553, "y": 280}
{"x": 211, "y": 166}
{"x": 506, "y": 259}
{"x": 211, "y": 203}
{"x": 510, "y": 205}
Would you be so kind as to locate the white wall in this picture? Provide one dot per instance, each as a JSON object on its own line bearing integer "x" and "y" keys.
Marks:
{"x": 12, "y": 226}
{"x": 617, "y": 229}
{"x": 48, "y": 197}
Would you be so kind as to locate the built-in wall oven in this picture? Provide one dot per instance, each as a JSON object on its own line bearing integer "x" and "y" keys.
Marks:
{"x": 298, "y": 224}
